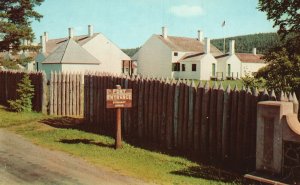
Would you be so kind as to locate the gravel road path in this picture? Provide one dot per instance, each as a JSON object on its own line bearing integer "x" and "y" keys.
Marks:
{"x": 22, "y": 162}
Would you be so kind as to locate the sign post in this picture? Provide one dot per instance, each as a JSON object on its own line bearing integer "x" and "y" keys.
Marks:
{"x": 118, "y": 98}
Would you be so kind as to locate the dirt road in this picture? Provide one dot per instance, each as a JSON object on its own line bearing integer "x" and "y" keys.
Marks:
{"x": 22, "y": 162}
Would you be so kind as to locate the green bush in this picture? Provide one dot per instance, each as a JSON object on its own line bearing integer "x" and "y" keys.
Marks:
{"x": 25, "y": 94}
{"x": 252, "y": 82}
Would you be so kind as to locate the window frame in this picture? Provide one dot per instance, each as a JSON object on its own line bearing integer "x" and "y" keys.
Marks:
{"x": 194, "y": 67}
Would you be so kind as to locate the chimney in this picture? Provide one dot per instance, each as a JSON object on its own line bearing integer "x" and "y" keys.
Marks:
{"x": 46, "y": 36}
{"x": 254, "y": 51}
{"x": 231, "y": 47}
{"x": 71, "y": 33}
{"x": 164, "y": 32}
{"x": 207, "y": 45}
{"x": 90, "y": 30}
{"x": 43, "y": 43}
{"x": 200, "y": 36}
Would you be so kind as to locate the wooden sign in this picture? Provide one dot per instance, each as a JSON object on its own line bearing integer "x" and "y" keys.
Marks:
{"x": 118, "y": 98}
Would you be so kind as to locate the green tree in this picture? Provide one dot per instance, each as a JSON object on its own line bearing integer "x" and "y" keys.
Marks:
{"x": 283, "y": 62}
{"x": 25, "y": 94}
{"x": 16, "y": 17}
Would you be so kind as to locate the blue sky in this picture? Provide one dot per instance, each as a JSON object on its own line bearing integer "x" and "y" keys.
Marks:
{"x": 129, "y": 23}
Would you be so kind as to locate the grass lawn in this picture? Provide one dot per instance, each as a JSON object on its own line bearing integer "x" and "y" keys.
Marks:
{"x": 143, "y": 164}
{"x": 225, "y": 83}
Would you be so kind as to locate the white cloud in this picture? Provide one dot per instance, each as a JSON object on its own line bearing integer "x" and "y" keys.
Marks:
{"x": 186, "y": 11}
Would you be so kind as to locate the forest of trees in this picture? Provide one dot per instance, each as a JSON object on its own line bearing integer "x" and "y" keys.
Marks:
{"x": 244, "y": 44}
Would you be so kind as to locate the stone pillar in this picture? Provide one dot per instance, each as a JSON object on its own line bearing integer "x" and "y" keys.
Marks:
{"x": 269, "y": 139}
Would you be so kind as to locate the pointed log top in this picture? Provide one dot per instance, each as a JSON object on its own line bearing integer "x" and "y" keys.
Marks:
{"x": 235, "y": 88}
{"x": 290, "y": 97}
{"x": 200, "y": 84}
{"x": 295, "y": 100}
{"x": 177, "y": 83}
{"x": 282, "y": 96}
{"x": 243, "y": 88}
{"x": 221, "y": 86}
{"x": 265, "y": 92}
{"x": 167, "y": 81}
{"x": 215, "y": 86}
{"x": 228, "y": 89}
{"x": 193, "y": 84}
{"x": 273, "y": 93}
{"x": 255, "y": 91}
{"x": 206, "y": 86}
{"x": 248, "y": 90}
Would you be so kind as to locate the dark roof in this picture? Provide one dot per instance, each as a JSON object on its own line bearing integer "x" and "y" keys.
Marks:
{"x": 52, "y": 44}
{"x": 187, "y": 44}
{"x": 250, "y": 58}
{"x": 70, "y": 52}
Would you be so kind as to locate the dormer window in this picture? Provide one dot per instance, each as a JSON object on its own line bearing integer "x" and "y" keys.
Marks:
{"x": 175, "y": 54}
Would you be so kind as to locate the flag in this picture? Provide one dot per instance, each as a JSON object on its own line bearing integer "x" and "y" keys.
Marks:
{"x": 223, "y": 24}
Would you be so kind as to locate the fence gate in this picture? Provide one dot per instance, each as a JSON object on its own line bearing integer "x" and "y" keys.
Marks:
{"x": 66, "y": 94}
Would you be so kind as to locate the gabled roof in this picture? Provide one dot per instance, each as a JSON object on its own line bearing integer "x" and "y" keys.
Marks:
{"x": 52, "y": 44}
{"x": 187, "y": 44}
{"x": 70, "y": 52}
{"x": 250, "y": 58}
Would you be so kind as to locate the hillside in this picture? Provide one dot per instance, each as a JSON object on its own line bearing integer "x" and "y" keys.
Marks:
{"x": 244, "y": 44}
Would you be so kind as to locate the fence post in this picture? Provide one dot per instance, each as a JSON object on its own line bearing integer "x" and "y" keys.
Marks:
{"x": 197, "y": 117}
{"x": 204, "y": 121}
{"x": 219, "y": 120}
{"x": 51, "y": 93}
{"x": 176, "y": 104}
{"x": 226, "y": 124}
{"x": 190, "y": 126}
{"x": 44, "y": 93}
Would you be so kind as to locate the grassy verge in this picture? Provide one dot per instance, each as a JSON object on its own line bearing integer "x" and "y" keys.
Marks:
{"x": 149, "y": 166}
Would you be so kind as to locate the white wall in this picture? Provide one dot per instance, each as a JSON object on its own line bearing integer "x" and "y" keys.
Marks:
{"x": 206, "y": 66}
{"x": 235, "y": 64}
{"x": 155, "y": 59}
{"x": 188, "y": 73}
{"x": 107, "y": 53}
{"x": 249, "y": 68}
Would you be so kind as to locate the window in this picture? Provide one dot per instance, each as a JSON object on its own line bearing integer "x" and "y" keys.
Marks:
{"x": 213, "y": 69}
{"x": 182, "y": 67}
{"x": 228, "y": 70}
{"x": 194, "y": 67}
{"x": 175, "y": 54}
{"x": 175, "y": 67}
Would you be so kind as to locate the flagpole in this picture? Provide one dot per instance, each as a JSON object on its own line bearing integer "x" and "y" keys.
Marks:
{"x": 224, "y": 49}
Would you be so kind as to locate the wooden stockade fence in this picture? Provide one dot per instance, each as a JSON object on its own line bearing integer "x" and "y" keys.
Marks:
{"x": 66, "y": 94}
{"x": 214, "y": 124}
{"x": 8, "y": 86}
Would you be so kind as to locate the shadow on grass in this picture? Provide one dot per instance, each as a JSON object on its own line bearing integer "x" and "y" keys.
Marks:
{"x": 85, "y": 141}
{"x": 209, "y": 173}
{"x": 201, "y": 171}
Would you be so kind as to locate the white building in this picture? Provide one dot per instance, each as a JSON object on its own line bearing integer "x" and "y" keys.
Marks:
{"x": 229, "y": 65}
{"x": 251, "y": 62}
{"x": 106, "y": 54}
{"x": 177, "y": 57}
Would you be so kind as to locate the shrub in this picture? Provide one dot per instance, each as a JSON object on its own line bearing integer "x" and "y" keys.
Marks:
{"x": 25, "y": 94}
{"x": 252, "y": 82}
